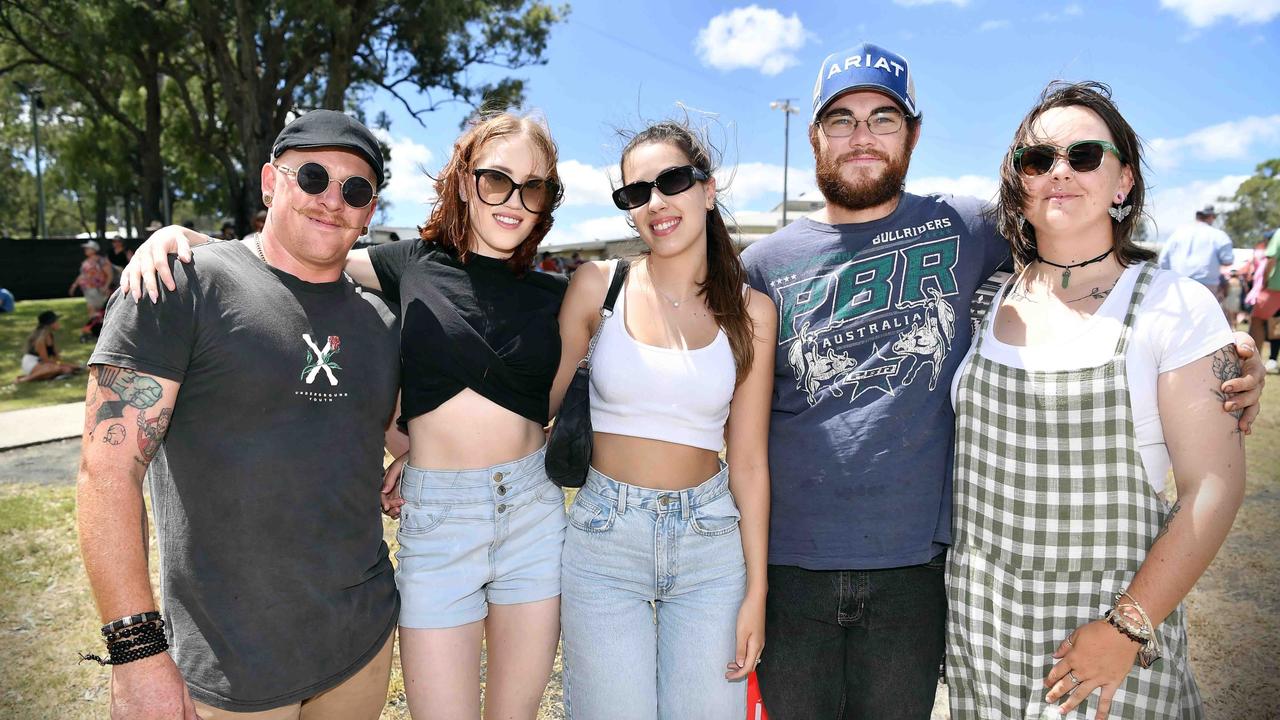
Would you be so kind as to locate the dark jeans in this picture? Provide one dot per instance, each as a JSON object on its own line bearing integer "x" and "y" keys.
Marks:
{"x": 853, "y": 644}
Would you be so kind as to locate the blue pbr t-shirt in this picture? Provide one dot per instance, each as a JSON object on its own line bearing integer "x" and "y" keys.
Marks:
{"x": 873, "y": 320}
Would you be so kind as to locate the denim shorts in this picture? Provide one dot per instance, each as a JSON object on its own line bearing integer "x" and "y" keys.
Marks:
{"x": 473, "y": 537}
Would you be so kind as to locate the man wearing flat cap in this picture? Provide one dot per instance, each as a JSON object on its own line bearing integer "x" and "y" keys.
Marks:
{"x": 254, "y": 393}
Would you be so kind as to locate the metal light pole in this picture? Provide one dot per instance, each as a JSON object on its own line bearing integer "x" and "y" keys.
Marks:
{"x": 37, "y": 103}
{"x": 787, "y": 111}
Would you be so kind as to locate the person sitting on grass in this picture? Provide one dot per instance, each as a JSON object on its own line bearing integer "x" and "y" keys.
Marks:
{"x": 40, "y": 360}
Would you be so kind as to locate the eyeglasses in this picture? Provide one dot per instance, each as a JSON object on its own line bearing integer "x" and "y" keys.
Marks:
{"x": 672, "y": 181}
{"x": 313, "y": 179}
{"x": 841, "y": 123}
{"x": 537, "y": 195}
{"x": 1083, "y": 156}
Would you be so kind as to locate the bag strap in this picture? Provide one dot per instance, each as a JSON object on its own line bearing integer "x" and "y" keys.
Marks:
{"x": 620, "y": 268}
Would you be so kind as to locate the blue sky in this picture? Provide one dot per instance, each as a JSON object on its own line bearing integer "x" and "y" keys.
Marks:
{"x": 1198, "y": 79}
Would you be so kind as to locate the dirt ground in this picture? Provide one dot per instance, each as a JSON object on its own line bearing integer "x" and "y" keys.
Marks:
{"x": 46, "y": 612}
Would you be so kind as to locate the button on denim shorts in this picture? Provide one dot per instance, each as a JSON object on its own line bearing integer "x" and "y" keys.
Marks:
{"x": 473, "y": 537}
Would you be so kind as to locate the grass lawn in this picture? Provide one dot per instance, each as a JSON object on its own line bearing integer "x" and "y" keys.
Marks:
{"x": 14, "y": 329}
{"x": 47, "y": 614}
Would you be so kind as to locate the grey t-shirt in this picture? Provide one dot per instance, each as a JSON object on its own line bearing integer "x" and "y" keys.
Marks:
{"x": 275, "y": 580}
{"x": 873, "y": 320}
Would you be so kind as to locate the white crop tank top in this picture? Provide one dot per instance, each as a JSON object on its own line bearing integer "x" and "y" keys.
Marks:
{"x": 679, "y": 396}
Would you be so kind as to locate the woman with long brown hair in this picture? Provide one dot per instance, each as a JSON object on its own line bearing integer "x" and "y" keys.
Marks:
{"x": 664, "y": 564}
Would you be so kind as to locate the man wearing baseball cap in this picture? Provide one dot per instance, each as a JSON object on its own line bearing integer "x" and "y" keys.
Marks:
{"x": 255, "y": 392}
{"x": 1200, "y": 251}
{"x": 877, "y": 295}
{"x": 94, "y": 277}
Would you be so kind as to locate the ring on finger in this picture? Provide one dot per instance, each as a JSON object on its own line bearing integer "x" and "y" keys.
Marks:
{"x": 1069, "y": 643}
{"x": 1074, "y": 680}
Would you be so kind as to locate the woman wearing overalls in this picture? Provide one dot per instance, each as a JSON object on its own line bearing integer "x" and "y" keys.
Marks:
{"x": 1091, "y": 376}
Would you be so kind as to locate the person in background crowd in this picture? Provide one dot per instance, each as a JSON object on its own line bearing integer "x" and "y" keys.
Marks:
{"x": 40, "y": 358}
{"x": 1199, "y": 251}
{"x": 228, "y": 231}
{"x": 550, "y": 263}
{"x": 119, "y": 254}
{"x": 6, "y": 301}
{"x": 574, "y": 263}
{"x": 95, "y": 278}
{"x": 1266, "y": 298}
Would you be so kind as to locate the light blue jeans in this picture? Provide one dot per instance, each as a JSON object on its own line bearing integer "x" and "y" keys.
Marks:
{"x": 651, "y": 585}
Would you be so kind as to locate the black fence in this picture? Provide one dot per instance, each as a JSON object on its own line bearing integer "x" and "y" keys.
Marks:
{"x": 39, "y": 269}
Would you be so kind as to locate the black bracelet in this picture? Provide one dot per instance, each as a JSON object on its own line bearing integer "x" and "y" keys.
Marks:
{"x": 126, "y": 621}
{"x": 133, "y": 642}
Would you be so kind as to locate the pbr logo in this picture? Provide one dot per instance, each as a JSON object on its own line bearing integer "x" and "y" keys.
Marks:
{"x": 321, "y": 359}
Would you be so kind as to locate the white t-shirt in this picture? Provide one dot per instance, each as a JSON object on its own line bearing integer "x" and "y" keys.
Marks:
{"x": 1178, "y": 322}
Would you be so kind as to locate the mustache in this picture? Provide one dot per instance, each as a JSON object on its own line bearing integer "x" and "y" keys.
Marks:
{"x": 855, "y": 153}
{"x": 325, "y": 218}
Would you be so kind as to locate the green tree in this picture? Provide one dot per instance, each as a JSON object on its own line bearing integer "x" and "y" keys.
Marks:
{"x": 1257, "y": 202}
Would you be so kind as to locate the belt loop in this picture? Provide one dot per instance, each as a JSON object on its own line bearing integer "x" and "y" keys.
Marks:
{"x": 622, "y": 497}
{"x": 686, "y": 500}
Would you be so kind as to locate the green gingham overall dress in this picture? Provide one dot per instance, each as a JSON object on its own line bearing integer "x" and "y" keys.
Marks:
{"x": 1053, "y": 517}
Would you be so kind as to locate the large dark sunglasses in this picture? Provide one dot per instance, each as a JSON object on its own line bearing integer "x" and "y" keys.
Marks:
{"x": 313, "y": 179}
{"x": 537, "y": 195}
{"x": 669, "y": 182}
{"x": 1084, "y": 156}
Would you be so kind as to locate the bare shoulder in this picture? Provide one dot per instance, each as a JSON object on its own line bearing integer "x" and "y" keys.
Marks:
{"x": 761, "y": 308}
{"x": 589, "y": 282}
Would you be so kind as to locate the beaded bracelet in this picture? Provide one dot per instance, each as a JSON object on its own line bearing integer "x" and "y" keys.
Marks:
{"x": 1144, "y": 634}
{"x": 132, "y": 642}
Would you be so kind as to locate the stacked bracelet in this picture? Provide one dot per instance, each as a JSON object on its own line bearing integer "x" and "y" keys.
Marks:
{"x": 132, "y": 638}
{"x": 1140, "y": 630}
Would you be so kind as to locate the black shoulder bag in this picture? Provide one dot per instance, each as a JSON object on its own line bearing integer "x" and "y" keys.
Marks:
{"x": 569, "y": 447}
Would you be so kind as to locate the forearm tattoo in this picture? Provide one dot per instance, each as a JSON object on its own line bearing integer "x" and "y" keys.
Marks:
{"x": 1227, "y": 366}
{"x": 115, "y": 391}
{"x": 1168, "y": 520}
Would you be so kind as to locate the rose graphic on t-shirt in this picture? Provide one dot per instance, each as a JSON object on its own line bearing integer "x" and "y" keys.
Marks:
{"x": 321, "y": 359}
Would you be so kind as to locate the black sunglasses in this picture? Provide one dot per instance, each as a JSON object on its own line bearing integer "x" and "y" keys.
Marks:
{"x": 537, "y": 195}
{"x": 669, "y": 182}
{"x": 313, "y": 179}
{"x": 1084, "y": 156}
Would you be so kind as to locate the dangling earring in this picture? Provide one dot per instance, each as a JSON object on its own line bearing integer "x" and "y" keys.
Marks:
{"x": 266, "y": 199}
{"x": 1119, "y": 211}
{"x": 1022, "y": 222}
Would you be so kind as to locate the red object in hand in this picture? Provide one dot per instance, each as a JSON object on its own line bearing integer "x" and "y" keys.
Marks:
{"x": 755, "y": 704}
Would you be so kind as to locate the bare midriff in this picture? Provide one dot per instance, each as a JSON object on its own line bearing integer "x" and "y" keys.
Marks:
{"x": 469, "y": 431}
{"x": 655, "y": 464}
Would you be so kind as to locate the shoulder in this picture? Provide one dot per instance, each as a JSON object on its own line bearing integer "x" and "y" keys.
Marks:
{"x": 785, "y": 240}
{"x": 553, "y": 283}
{"x": 761, "y": 308}
{"x": 590, "y": 281}
{"x": 1171, "y": 292}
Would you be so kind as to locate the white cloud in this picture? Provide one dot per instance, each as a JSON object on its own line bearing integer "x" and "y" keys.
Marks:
{"x": 586, "y": 184}
{"x": 1203, "y": 13}
{"x": 915, "y": 3}
{"x": 757, "y": 185}
{"x": 1171, "y": 207}
{"x": 990, "y": 25}
{"x": 978, "y": 186}
{"x": 409, "y": 189}
{"x": 751, "y": 37}
{"x": 1071, "y": 10}
{"x": 1224, "y": 141}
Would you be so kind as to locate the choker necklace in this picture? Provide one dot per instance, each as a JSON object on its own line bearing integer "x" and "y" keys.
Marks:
{"x": 1066, "y": 276}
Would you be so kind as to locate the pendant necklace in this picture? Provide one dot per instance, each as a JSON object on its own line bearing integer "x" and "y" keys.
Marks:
{"x": 257, "y": 242}
{"x": 674, "y": 303}
{"x": 1066, "y": 276}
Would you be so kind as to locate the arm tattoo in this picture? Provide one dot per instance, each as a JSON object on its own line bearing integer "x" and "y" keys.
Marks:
{"x": 1226, "y": 366}
{"x": 151, "y": 434}
{"x": 132, "y": 389}
{"x": 1168, "y": 520}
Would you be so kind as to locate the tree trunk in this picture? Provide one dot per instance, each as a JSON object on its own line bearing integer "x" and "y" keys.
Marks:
{"x": 100, "y": 209}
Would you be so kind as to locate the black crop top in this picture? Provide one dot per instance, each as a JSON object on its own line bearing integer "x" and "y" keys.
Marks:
{"x": 473, "y": 325}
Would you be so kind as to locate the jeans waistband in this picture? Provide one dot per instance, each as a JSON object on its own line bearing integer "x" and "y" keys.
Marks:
{"x": 626, "y": 496}
{"x": 508, "y": 479}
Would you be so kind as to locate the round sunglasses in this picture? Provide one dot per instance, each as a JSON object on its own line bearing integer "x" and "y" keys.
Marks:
{"x": 672, "y": 181}
{"x": 314, "y": 179}
{"x": 1083, "y": 156}
{"x": 537, "y": 195}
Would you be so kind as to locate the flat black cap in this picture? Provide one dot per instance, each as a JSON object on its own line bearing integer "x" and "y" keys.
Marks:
{"x": 329, "y": 128}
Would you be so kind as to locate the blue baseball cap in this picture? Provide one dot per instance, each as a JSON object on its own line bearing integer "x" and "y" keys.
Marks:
{"x": 865, "y": 67}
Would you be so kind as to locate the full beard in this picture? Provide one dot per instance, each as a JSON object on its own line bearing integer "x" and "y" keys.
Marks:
{"x": 868, "y": 193}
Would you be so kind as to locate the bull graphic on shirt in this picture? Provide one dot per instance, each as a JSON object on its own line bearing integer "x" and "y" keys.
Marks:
{"x": 321, "y": 359}
{"x": 813, "y": 368}
{"x": 928, "y": 342}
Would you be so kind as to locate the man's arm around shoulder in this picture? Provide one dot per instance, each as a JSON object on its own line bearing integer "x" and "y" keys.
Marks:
{"x": 126, "y": 417}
